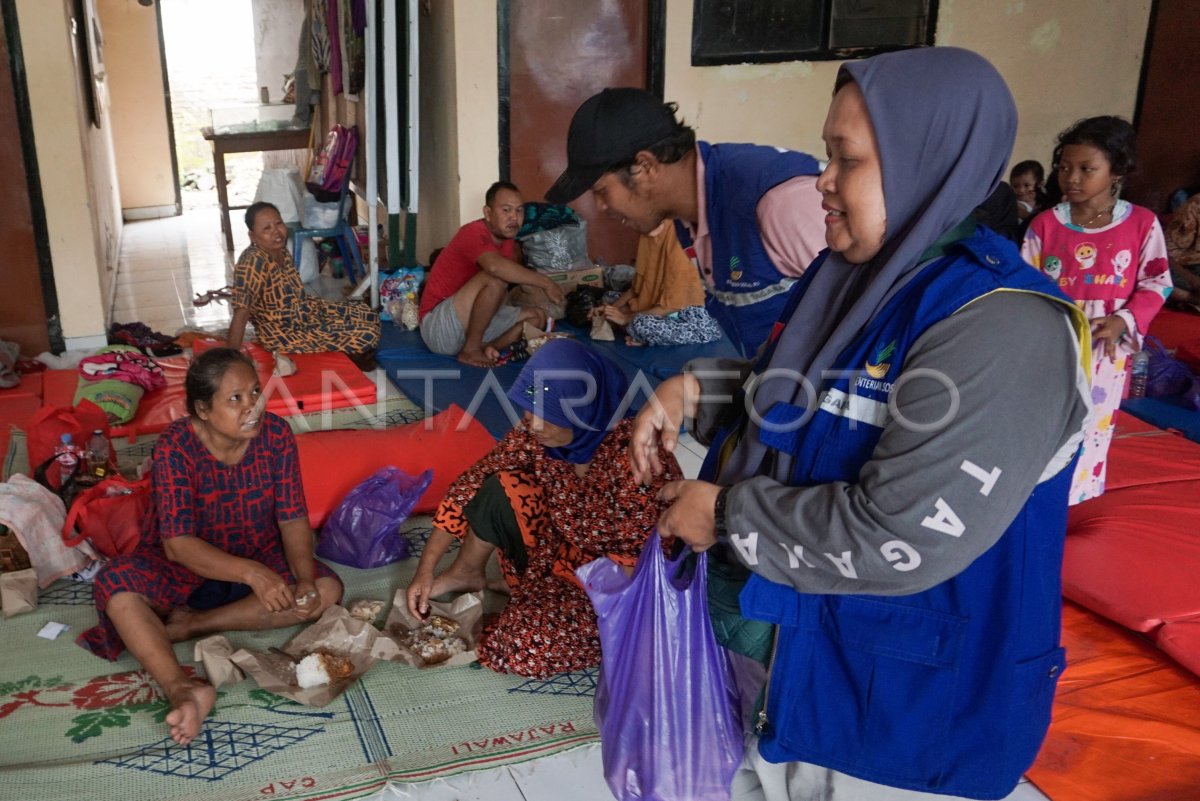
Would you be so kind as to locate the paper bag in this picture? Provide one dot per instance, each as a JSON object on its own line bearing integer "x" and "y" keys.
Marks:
{"x": 18, "y": 592}
{"x": 337, "y": 633}
{"x": 602, "y": 330}
{"x": 214, "y": 654}
{"x": 466, "y": 610}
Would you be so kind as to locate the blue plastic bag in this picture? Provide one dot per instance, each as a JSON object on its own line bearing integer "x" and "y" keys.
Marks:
{"x": 666, "y": 703}
{"x": 361, "y": 532}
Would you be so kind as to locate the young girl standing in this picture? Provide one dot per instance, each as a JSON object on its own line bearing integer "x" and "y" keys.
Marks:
{"x": 1111, "y": 258}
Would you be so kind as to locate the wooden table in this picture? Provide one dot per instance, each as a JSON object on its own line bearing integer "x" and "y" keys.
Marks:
{"x": 248, "y": 138}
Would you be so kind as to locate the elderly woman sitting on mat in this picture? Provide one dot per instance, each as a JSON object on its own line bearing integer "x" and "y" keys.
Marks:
{"x": 227, "y": 546}
{"x": 554, "y": 494}
{"x": 267, "y": 290}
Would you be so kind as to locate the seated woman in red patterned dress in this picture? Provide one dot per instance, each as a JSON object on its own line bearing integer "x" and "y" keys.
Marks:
{"x": 227, "y": 546}
{"x": 554, "y": 494}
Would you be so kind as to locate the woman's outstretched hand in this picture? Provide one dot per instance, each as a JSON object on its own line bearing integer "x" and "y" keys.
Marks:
{"x": 270, "y": 589}
{"x": 658, "y": 424}
{"x": 418, "y": 593}
{"x": 690, "y": 515}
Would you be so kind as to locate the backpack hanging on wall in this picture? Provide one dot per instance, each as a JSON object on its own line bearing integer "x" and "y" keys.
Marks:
{"x": 332, "y": 164}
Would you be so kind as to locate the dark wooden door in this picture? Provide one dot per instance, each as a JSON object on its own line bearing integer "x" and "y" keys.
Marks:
{"x": 1168, "y": 145}
{"x": 22, "y": 306}
{"x": 555, "y": 54}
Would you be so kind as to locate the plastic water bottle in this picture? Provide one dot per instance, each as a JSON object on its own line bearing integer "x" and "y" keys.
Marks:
{"x": 67, "y": 456}
{"x": 1139, "y": 374}
{"x": 98, "y": 452}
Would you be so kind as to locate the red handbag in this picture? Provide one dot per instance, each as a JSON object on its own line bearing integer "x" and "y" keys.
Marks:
{"x": 110, "y": 515}
{"x": 49, "y": 423}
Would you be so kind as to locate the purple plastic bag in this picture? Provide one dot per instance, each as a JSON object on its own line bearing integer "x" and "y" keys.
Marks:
{"x": 361, "y": 532}
{"x": 1166, "y": 375}
{"x": 666, "y": 704}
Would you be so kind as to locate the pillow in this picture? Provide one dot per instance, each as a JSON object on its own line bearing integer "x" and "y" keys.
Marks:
{"x": 1181, "y": 639}
{"x": 119, "y": 399}
{"x": 335, "y": 462}
{"x": 1133, "y": 554}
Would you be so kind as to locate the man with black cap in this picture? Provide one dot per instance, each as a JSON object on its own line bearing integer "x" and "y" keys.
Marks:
{"x": 749, "y": 216}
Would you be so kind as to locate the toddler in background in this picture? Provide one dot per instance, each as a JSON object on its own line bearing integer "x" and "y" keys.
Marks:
{"x": 1028, "y": 181}
{"x": 1111, "y": 258}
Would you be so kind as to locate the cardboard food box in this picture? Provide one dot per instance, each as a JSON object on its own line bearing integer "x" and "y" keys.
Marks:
{"x": 569, "y": 279}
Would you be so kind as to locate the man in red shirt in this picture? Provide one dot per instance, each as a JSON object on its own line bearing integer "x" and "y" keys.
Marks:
{"x": 463, "y": 309}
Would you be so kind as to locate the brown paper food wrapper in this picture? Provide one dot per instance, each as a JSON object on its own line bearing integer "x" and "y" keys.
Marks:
{"x": 337, "y": 633}
{"x": 466, "y": 610}
{"x": 602, "y": 330}
{"x": 18, "y": 592}
{"x": 215, "y": 653}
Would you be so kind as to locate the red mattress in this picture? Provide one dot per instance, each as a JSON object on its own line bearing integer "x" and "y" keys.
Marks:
{"x": 1142, "y": 453}
{"x": 1133, "y": 554}
{"x": 322, "y": 381}
{"x": 1172, "y": 327}
{"x": 335, "y": 462}
{"x": 17, "y": 405}
{"x": 1126, "y": 723}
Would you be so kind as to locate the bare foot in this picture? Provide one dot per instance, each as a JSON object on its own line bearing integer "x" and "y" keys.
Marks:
{"x": 477, "y": 357}
{"x": 634, "y": 343}
{"x": 179, "y": 624}
{"x": 455, "y": 579}
{"x": 498, "y": 585}
{"x": 191, "y": 701}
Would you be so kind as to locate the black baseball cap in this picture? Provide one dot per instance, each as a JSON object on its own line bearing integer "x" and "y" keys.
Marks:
{"x": 609, "y": 129}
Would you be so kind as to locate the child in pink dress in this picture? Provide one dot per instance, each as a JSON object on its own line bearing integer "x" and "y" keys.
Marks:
{"x": 1111, "y": 257}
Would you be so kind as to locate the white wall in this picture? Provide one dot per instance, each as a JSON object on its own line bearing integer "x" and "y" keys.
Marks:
{"x": 276, "y": 42}
{"x": 141, "y": 138}
{"x": 478, "y": 105}
{"x": 1063, "y": 59}
{"x": 438, "y": 191}
{"x": 75, "y": 163}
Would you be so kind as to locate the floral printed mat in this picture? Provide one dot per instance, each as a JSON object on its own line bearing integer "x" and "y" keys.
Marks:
{"x": 73, "y": 726}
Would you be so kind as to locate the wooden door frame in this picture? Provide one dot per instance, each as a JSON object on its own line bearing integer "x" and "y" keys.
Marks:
{"x": 33, "y": 179}
{"x": 166, "y": 85}
{"x": 656, "y": 33}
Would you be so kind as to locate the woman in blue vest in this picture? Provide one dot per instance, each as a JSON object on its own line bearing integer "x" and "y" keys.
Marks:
{"x": 892, "y": 474}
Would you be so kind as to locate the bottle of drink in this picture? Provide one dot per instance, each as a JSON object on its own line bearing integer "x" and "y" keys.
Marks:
{"x": 98, "y": 452}
{"x": 67, "y": 456}
{"x": 1139, "y": 374}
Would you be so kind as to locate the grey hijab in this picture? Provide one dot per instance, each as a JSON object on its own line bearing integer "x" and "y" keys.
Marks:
{"x": 945, "y": 122}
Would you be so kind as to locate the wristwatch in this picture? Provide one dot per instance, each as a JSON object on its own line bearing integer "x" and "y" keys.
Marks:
{"x": 719, "y": 528}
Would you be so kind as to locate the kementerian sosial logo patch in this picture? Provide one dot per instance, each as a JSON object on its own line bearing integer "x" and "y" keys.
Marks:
{"x": 735, "y": 268}
{"x": 881, "y": 364}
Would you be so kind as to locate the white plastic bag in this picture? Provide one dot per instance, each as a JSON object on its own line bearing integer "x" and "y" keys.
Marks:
{"x": 282, "y": 187}
{"x": 317, "y": 214}
{"x": 308, "y": 264}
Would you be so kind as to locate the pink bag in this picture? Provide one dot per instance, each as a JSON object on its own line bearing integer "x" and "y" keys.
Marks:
{"x": 331, "y": 165}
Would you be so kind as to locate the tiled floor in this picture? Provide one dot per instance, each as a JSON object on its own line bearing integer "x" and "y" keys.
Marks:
{"x": 164, "y": 264}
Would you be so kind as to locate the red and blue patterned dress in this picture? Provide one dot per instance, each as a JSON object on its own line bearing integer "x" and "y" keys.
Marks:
{"x": 236, "y": 508}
